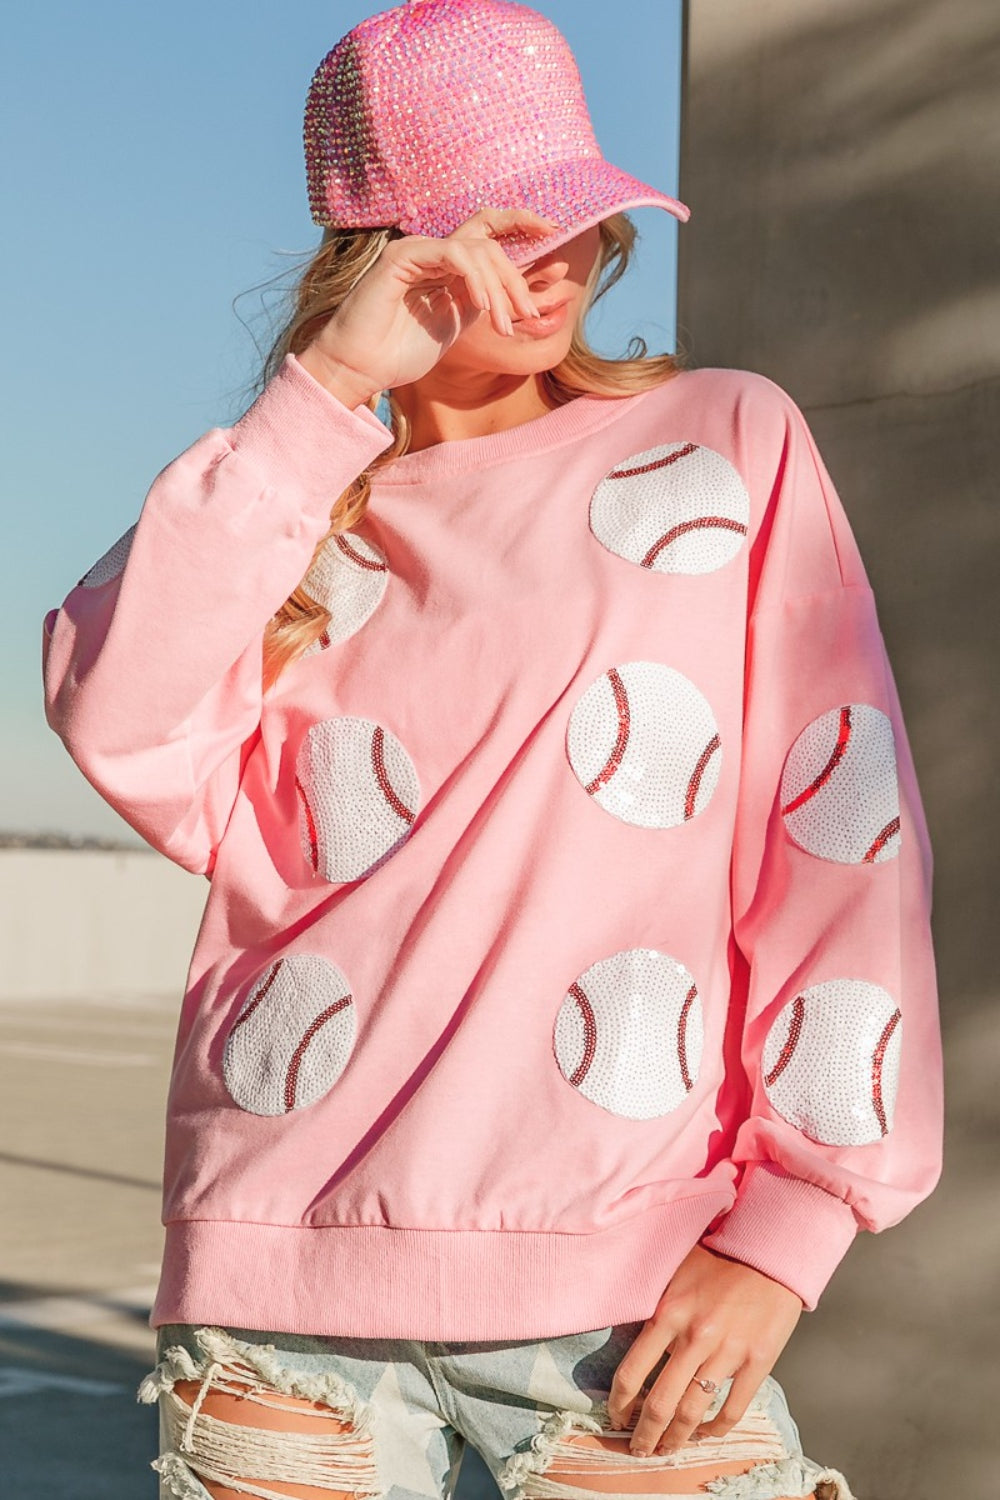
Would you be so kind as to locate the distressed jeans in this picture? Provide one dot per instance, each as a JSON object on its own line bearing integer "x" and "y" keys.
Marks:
{"x": 412, "y": 1406}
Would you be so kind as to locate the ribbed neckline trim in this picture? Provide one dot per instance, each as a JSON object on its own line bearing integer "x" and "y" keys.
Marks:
{"x": 551, "y": 430}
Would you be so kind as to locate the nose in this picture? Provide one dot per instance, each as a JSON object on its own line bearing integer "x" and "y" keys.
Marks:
{"x": 546, "y": 271}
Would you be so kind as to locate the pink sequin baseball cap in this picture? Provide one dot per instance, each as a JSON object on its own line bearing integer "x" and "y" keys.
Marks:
{"x": 425, "y": 113}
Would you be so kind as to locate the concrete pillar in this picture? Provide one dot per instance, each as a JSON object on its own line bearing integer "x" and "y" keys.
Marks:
{"x": 840, "y": 161}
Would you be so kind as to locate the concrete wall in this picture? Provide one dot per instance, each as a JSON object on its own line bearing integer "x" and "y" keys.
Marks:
{"x": 840, "y": 158}
{"x": 84, "y": 923}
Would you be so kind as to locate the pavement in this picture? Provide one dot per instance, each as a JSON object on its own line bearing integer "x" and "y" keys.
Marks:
{"x": 83, "y": 1086}
{"x": 892, "y": 1379}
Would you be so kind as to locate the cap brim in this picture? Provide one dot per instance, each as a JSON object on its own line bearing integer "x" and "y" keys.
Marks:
{"x": 573, "y": 194}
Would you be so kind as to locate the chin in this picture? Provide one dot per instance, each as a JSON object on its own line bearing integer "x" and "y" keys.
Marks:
{"x": 527, "y": 356}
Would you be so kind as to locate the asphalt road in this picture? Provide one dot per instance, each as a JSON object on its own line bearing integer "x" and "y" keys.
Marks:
{"x": 892, "y": 1380}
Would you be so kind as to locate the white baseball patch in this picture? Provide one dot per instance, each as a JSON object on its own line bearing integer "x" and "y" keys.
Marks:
{"x": 643, "y": 741}
{"x": 349, "y": 579}
{"x": 830, "y": 1063}
{"x": 676, "y": 508}
{"x": 839, "y": 790}
{"x": 358, "y": 795}
{"x": 292, "y": 1038}
{"x": 629, "y": 1033}
{"x": 110, "y": 563}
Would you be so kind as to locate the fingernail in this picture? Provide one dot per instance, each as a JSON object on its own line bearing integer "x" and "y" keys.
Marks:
{"x": 639, "y": 1449}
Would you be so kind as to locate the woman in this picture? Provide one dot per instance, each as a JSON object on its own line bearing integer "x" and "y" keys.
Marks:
{"x": 564, "y": 1000}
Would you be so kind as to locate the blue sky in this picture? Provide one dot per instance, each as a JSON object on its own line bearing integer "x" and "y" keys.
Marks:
{"x": 156, "y": 177}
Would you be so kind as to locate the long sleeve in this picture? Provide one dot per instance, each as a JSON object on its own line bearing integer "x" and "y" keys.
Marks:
{"x": 838, "y": 1095}
{"x": 152, "y": 665}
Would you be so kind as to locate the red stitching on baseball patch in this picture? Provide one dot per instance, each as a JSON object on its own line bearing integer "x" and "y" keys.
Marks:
{"x": 696, "y": 776}
{"x": 683, "y": 527}
{"x": 246, "y": 1014}
{"x": 615, "y": 758}
{"x": 382, "y": 776}
{"x": 843, "y": 738}
{"x": 357, "y": 557}
{"x": 784, "y": 1057}
{"x": 310, "y": 826}
{"x": 877, "y": 1060}
{"x": 658, "y": 463}
{"x": 689, "y": 1000}
{"x": 880, "y": 842}
{"x": 589, "y": 1033}
{"x": 292, "y": 1077}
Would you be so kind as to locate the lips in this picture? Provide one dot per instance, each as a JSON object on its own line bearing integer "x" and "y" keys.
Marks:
{"x": 545, "y": 312}
{"x": 554, "y": 306}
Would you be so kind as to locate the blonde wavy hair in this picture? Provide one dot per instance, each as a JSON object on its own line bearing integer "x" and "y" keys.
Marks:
{"x": 343, "y": 256}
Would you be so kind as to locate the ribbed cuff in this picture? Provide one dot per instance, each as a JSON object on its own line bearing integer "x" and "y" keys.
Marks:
{"x": 792, "y": 1230}
{"x": 297, "y": 431}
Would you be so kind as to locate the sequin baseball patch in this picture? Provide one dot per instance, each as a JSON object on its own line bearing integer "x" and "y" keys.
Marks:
{"x": 643, "y": 741}
{"x": 629, "y": 1033}
{"x": 358, "y": 795}
{"x": 110, "y": 563}
{"x": 676, "y": 508}
{"x": 830, "y": 1062}
{"x": 839, "y": 790}
{"x": 349, "y": 579}
{"x": 292, "y": 1038}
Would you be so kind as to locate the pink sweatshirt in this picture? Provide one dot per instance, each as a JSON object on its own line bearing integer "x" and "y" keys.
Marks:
{"x": 569, "y": 900}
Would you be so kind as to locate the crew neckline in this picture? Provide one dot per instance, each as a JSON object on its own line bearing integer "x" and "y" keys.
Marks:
{"x": 581, "y": 414}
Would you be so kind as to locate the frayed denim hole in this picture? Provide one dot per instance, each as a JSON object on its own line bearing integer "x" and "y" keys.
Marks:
{"x": 200, "y": 1446}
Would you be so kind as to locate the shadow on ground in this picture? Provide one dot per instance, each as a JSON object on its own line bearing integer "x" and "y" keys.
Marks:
{"x": 70, "y": 1426}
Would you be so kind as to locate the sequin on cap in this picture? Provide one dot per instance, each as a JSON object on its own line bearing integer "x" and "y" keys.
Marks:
{"x": 425, "y": 113}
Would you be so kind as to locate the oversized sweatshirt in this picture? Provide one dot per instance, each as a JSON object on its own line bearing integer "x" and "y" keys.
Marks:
{"x": 569, "y": 898}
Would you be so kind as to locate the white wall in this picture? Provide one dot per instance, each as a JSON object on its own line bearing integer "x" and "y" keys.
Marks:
{"x": 95, "y": 922}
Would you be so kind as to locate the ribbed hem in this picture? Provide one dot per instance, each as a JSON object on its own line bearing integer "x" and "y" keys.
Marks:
{"x": 792, "y": 1230}
{"x": 371, "y": 1281}
{"x": 297, "y": 431}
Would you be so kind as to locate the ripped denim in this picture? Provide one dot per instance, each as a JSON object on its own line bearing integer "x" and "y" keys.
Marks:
{"x": 406, "y": 1409}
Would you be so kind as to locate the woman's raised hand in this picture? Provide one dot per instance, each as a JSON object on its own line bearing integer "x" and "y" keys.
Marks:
{"x": 420, "y": 294}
